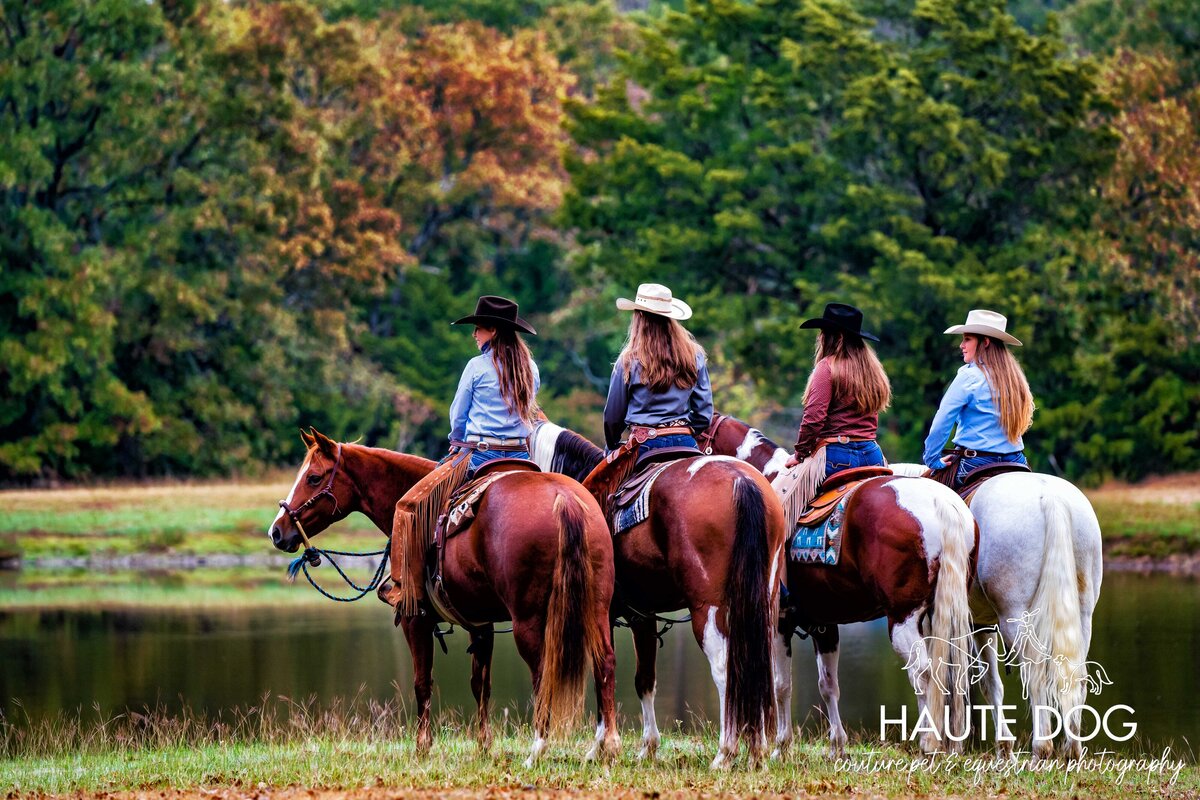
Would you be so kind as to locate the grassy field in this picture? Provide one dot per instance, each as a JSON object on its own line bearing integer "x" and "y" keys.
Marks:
{"x": 1157, "y": 518}
{"x": 361, "y": 746}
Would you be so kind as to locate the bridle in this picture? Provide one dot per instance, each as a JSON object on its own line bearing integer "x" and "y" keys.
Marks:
{"x": 327, "y": 489}
{"x": 705, "y": 440}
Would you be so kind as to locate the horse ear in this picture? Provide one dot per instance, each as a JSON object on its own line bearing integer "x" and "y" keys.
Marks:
{"x": 307, "y": 438}
{"x": 326, "y": 444}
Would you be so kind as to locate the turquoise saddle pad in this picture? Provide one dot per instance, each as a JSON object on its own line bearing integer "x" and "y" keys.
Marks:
{"x": 820, "y": 544}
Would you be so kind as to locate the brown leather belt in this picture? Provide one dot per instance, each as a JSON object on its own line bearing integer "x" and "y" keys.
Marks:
{"x": 640, "y": 433}
{"x": 844, "y": 440}
{"x": 520, "y": 446}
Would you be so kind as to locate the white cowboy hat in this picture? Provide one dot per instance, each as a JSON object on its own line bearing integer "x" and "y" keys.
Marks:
{"x": 986, "y": 323}
{"x": 655, "y": 298}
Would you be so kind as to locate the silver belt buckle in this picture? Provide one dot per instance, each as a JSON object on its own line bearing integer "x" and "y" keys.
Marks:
{"x": 653, "y": 433}
{"x": 970, "y": 453}
{"x": 483, "y": 447}
{"x": 843, "y": 440}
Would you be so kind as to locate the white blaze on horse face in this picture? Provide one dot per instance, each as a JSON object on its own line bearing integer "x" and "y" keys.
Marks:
{"x": 699, "y": 463}
{"x": 292, "y": 494}
{"x": 545, "y": 439}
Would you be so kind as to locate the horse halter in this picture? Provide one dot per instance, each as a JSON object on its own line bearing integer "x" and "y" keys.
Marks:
{"x": 327, "y": 489}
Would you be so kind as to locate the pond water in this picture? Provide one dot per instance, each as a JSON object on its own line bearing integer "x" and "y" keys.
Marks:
{"x": 1147, "y": 637}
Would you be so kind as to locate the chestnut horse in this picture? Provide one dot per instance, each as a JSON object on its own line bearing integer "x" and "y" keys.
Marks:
{"x": 538, "y": 552}
{"x": 713, "y": 543}
{"x": 906, "y": 551}
{"x": 1037, "y": 582}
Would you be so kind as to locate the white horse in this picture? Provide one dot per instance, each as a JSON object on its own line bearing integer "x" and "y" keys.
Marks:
{"x": 1038, "y": 579}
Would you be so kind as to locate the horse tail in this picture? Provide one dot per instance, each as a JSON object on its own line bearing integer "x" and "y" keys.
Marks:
{"x": 951, "y": 620}
{"x": 1056, "y": 622}
{"x": 750, "y": 697}
{"x": 572, "y": 639}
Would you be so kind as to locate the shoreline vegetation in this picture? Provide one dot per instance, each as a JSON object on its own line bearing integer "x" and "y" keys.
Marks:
{"x": 363, "y": 748}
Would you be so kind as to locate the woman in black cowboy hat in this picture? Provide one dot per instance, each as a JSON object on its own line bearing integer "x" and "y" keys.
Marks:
{"x": 846, "y": 391}
{"x": 496, "y": 402}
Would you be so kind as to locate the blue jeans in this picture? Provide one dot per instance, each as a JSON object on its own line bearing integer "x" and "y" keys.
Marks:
{"x": 478, "y": 457}
{"x": 852, "y": 454}
{"x": 969, "y": 464}
{"x": 674, "y": 440}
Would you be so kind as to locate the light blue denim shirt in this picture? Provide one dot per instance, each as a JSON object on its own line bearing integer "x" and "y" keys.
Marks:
{"x": 478, "y": 407}
{"x": 968, "y": 402}
{"x": 634, "y": 404}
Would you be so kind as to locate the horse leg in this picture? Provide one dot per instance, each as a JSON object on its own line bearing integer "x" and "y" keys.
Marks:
{"x": 527, "y": 634}
{"x": 825, "y": 643}
{"x": 716, "y": 646}
{"x": 608, "y": 740}
{"x": 781, "y": 658}
{"x": 988, "y": 643}
{"x": 482, "y": 641}
{"x": 418, "y": 630}
{"x": 908, "y": 644}
{"x": 645, "y": 646}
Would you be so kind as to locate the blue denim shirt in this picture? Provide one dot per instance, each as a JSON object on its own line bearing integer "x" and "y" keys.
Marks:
{"x": 478, "y": 407}
{"x": 635, "y": 404}
{"x": 968, "y": 402}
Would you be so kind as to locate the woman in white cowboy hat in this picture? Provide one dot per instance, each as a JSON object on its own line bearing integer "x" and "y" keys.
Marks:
{"x": 659, "y": 386}
{"x": 989, "y": 400}
{"x": 496, "y": 402}
{"x": 845, "y": 393}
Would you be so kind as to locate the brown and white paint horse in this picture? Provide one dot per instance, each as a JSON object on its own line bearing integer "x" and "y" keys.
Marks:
{"x": 538, "y": 553}
{"x": 906, "y": 551}
{"x": 714, "y": 544}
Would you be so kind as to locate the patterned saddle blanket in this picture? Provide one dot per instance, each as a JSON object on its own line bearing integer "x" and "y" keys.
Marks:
{"x": 631, "y": 501}
{"x": 818, "y": 536}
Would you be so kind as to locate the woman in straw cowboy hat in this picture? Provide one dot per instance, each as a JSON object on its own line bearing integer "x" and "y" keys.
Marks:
{"x": 989, "y": 400}
{"x": 495, "y": 405}
{"x": 659, "y": 386}
{"x": 846, "y": 391}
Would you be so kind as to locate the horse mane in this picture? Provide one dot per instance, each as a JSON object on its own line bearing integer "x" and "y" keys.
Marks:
{"x": 575, "y": 456}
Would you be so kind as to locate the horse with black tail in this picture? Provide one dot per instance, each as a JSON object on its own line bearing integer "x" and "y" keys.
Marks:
{"x": 536, "y": 552}
{"x": 906, "y": 548}
{"x": 712, "y": 542}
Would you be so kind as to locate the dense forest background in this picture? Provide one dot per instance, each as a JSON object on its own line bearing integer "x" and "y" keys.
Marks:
{"x": 222, "y": 221}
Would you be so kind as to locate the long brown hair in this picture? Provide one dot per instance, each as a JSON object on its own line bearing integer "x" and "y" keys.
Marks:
{"x": 1010, "y": 389}
{"x": 854, "y": 371}
{"x": 664, "y": 349}
{"x": 514, "y": 367}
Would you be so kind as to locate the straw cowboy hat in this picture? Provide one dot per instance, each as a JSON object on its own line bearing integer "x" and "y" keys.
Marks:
{"x": 654, "y": 298}
{"x": 986, "y": 323}
{"x": 840, "y": 317}
{"x": 494, "y": 312}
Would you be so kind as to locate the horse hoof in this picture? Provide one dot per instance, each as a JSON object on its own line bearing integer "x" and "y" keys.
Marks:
{"x": 721, "y": 762}
{"x": 648, "y": 752}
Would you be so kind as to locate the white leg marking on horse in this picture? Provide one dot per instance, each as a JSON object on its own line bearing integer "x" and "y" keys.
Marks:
{"x": 539, "y": 746}
{"x": 649, "y": 726}
{"x": 291, "y": 495}
{"x": 782, "y": 667}
{"x": 699, "y": 463}
{"x": 775, "y": 467}
{"x": 592, "y": 753}
{"x": 831, "y": 693}
{"x": 716, "y": 647}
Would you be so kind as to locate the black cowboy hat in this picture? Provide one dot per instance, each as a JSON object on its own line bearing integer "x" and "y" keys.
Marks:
{"x": 840, "y": 317}
{"x": 494, "y": 312}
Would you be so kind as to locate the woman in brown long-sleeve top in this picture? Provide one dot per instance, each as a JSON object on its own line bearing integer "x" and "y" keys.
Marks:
{"x": 846, "y": 391}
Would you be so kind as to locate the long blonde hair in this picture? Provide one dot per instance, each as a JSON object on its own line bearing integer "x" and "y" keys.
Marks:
{"x": 664, "y": 349}
{"x": 514, "y": 367}
{"x": 1010, "y": 389}
{"x": 854, "y": 371}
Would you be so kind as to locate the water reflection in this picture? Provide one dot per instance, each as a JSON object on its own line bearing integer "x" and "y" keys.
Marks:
{"x": 1147, "y": 636}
